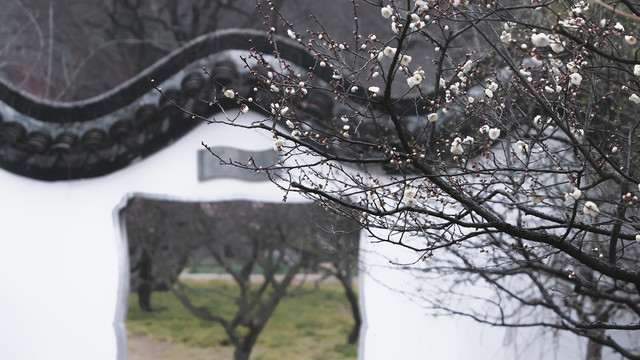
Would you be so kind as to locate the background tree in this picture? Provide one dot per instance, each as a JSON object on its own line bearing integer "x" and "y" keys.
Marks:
{"x": 266, "y": 248}
{"x": 160, "y": 242}
{"x": 508, "y": 155}
{"x": 270, "y": 238}
{"x": 61, "y": 50}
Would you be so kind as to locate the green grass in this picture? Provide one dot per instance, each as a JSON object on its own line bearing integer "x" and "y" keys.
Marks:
{"x": 312, "y": 326}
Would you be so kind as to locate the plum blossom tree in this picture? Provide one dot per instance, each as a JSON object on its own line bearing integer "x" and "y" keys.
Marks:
{"x": 497, "y": 140}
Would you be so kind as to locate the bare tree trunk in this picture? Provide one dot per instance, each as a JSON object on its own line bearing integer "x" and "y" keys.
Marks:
{"x": 352, "y": 297}
{"x": 594, "y": 349}
{"x": 241, "y": 354}
{"x": 243, "y": 349}
{"x": 146, "y": 280}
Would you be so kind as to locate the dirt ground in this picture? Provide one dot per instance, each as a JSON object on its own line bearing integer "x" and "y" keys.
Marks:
{"x": 144, "y": 347}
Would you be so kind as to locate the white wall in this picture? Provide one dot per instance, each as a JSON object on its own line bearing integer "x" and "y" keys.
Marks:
{"x": 61, "y": 256}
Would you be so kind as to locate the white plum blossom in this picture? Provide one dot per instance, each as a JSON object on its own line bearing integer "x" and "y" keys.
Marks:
{"x": 277, "y": 145}
{"x": 468, "y": 140}
{"x": 405, "y": 60}
{"x": 630, "y": 40}
{"x": 494, "y": 133}
{"x": 290, "y": 124}
{"x": 389, "y": 51}
{"x": 467, "y": 66}
{"x": 484, "y": 129}
{"x": 634, "y": 98}
{"x": 522, "y": 147}
{"x": 574, "y": 195}
{"x": 244, "y": 109}
{"x": 493, "y": 86}
{"x": 537, "y": 120}
{"x": 296, "y": 134}
{"x": 411, "y": 202}
{"x": 536, "y": 61}
{"x": 556, "y": 47}
{"x": 416, "y": 79}
{"x": 555, "y": 63}
{"x": 575, "y": 79}
{"x": 291, "y": 33}
{"x": 590, "y": 208}
{"x": 423, "y": 5}
{"x": 540, "y": 39}
{"x": 573, "y": 23}
{"x": 636, "y": 69}
{"x": 456, "y": 146}
{"x": 374, "y": 89}
{"x": 505, "y": 37}
{"x": 410, "y": 193}
{"x": 572, "y": 66}
{"x": 386, "y": 11}
{"x": 432, "y": 117}
{"x": 488, "y": 92}
{"x": 354, "y": 88}
{"x": 619, "y": 27}
{"x": 395, "y": 28}
{"x": 458, "y": 3}
{"x": 447, "y": 96}
{"x": 580, "y": 7}
{"x": 417, "y": 25}
{"x": 229, "y": 93}
{"x": 638, "y": 239}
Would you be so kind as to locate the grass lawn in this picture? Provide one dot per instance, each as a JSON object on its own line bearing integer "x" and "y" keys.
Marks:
{"x": 312, "y": 326}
